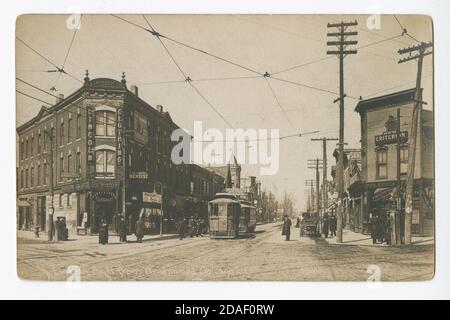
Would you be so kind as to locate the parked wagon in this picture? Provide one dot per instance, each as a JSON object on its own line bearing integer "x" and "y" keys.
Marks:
{"x": 309, "y": 225}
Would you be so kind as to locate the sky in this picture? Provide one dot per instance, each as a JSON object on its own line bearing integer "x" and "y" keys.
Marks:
{"x": 288, "y": 47}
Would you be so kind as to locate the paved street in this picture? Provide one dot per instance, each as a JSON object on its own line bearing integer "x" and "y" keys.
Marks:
{"x": 265, "y": 257}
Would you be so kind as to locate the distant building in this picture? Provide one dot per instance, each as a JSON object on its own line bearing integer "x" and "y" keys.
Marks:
{"x": 231, "y": 171}
{"x": 353, "y": 188}
{"x": 379, "y": 157}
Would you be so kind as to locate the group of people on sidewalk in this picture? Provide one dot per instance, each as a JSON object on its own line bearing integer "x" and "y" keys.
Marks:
{"x": 122, "y": 228}
{"x": 329, "y": 226}
{"x": 198, "y": 228}
{"x": 380, "y": 228}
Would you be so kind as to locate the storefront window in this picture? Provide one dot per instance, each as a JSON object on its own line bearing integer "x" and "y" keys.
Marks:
{"x": 105, "y": 160}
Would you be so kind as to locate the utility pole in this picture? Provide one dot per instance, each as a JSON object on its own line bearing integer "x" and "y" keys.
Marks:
{"x": 310, "y": 184}
{"x": 398, "y": 212}
{"x": 420, "y": 50}
{"x": 342, "y": 51}
{"x": 324, "y": 174}
{"x": 314, "y": 164}
{"x": 51, "y": 207}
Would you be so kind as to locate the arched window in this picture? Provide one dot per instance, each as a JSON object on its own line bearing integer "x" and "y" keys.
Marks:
{"x": 104, "y": 162}
{"x": 105, "y": 123}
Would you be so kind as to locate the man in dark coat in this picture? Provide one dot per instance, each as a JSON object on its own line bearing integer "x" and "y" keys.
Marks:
{"x": 103, "y": 232}
{"x": 333, "y": 225}
{"x": 374, "y": 229}
{"x": 325, "y": 226}
{"x": 139, "y": 230}
{"x": 182, "y": 228}
{"x": 287, "y": 228}
{"x": 122, "y": 229}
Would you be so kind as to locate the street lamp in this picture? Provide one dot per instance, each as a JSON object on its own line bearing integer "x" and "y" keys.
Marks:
{"x": 162, "y": 214}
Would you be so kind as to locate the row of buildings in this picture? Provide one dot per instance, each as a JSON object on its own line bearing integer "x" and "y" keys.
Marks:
{"x": 110, "y": 151}
{"x": 370, "y": 172}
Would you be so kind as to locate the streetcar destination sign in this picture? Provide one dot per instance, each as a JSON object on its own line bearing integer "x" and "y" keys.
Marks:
{"x": 390, "y": 138}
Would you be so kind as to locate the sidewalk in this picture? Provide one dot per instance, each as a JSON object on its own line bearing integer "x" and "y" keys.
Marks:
{"x": 92, "y": 239}
{"x": 354, "y": 238}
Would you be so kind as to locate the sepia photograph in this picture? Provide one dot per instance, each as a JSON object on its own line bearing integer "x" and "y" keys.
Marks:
{"x": 218, "y": 147}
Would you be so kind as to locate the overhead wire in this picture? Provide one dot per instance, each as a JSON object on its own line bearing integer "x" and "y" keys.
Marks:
{"x": 58, "y": 69}
{"x": 187, "y": 79}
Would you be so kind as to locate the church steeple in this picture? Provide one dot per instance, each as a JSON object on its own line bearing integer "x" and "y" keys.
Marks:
{"x": 86, "y": 78}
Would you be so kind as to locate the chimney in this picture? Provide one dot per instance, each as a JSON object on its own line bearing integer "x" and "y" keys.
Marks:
{"x": 134, "y": 90}
{"x": 159, "y": 108}
{"x": 60, "y": 98}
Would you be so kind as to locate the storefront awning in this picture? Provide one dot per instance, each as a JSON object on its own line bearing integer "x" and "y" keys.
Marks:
{"x": 383, "y": 194}
{"x": 23, "y": 203}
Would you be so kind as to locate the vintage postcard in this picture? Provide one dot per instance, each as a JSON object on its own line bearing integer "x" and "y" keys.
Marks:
{"x": 225, "y": 147}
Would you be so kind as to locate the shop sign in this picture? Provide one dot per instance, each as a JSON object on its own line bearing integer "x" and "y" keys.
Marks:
{"x": 151, "y": 197}
{"x": 390, "y": 137}
{"x": 140, "y": 175}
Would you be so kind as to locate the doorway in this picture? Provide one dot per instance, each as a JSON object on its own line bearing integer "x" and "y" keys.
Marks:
{"x": 105, "y": 210}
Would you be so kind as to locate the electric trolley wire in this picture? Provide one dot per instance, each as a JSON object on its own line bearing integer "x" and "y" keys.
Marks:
{"x": 404, "y": 30}
{"x": 278, "y": 102}
{"x": 58, "y": 69}
{"x": 166, "y": 49}
{"x": 210, "y": 104}
{"x": 301, "y": 134}
{"x": 70, "y": 47}
{"x": 32, "y": 97}
{"x": 197, "y": 80}
{"x": 159, "y": 35}
{"x": 37, "y": 88}
{"x": 36, "y": 52}
{"x": 385, "y": 39}
{"x": 187, "y": 79}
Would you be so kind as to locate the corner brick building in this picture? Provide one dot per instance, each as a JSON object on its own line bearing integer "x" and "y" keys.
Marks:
{"x": 109, "y": 147}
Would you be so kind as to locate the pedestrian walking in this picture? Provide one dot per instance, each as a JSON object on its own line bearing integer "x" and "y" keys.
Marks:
{"x": 374, "y": 229}
{"x": 194, "y": 228}
{"x": 287, "y": 228}
{"x": 333, "y": 225}
{"x": 122, "y": 229}
{"x": 139, "y": 230}
{"x": 325, "y": 226}
{"x": 103, "y": 232}
{"x": 182, "y": 228}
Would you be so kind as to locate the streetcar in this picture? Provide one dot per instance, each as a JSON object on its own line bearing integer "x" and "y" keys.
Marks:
{"x": 247, "y": 219}
{"x": 231, "y": 217}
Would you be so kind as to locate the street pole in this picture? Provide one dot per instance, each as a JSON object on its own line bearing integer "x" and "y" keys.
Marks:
{"x": 324, "y": 174}
{"x": 51, "y": 207}
{"x": 342, "y": 44}
{"x": 398, "y": 211}
{"x": 162, "y": 213}
{"x": 421, "y": 50}
{"x": 314, "y": 164}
